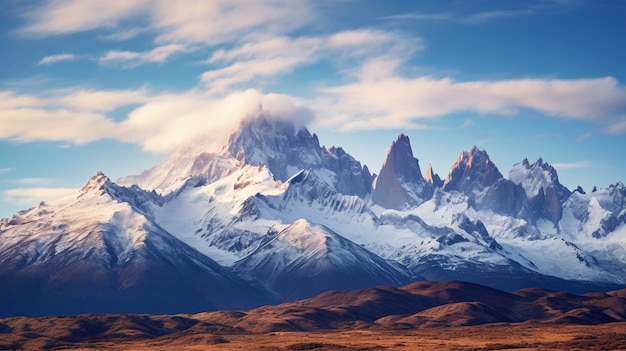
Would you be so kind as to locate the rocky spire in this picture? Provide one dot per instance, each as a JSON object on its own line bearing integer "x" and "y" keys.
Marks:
{"x": 400, "y": 183}
{"x": 472, "y": 171}
{"x": 432, "y": 177}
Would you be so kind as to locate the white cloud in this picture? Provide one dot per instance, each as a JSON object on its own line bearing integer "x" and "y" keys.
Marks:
{"x": 172, "y": 120}
{"x": 32, "y": 181}
{"x": 473, "y": 18}
{"x": 584, "y": 137}
{"x": 573, "y": 165}
{"x": 5, "y": 170}
{"x": 221, "y": 80}
{"x": 30, "y": 196}
{"x": 400, "y": 102}
{"x": 58, "y": 58}
{"x": 71, "y": 16}
{"x": 279, "y": 55}
{"x": 618, "y": 127}
{"x": 101, "y": 100}
{"x": 182, "y": 21}
{"x": 483, "y": 17}
{"x": 160, "y": 123}
{"x": 131, "y": 59}
{"x": 220, "y": 21}
{"x": 30, "y": 124}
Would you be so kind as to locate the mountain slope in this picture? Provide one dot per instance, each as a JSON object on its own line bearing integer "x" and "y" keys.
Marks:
{"x": 305, "y": 259}
{"x": 99, "y": 251}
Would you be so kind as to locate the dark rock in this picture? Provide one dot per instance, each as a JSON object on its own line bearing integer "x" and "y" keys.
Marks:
{"x": 400, "y": 183}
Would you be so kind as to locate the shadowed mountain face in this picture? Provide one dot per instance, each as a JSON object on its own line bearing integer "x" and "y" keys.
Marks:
{"x": 304, "y": 260}
{"x": 97, "y": 252}
{"x": 400, "y": 183}
{"x": 418, "y": 305}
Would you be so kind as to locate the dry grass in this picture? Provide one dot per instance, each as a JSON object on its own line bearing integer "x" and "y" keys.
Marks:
{"x": 523, "y": 336}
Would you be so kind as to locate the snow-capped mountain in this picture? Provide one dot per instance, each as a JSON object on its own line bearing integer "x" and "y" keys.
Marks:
{"x": 543, "y": 190}
{"x": 304, "y": 260}
{"x": 474, "y": 175}
{"x": 183, "y": 163}
{"x": 100, "y": 251}
{"x": 274, "y": 211}
{"x": 286, "y": 150}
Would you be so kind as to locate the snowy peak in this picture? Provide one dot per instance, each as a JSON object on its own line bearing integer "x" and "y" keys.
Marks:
{"x": 98, "y": 184}
{"x": 472, "y": 171}
{"x": 400, "y": 183}
{"x": 286, "y": 150}
{"x": 536, "y": 176}
{"x": 168, "y": 176}
{"x": 277, "y": 144}
{"x": 543, "y": 190}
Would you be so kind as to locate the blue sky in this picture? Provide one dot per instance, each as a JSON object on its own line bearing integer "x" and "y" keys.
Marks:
{"x": 115, "y": 86}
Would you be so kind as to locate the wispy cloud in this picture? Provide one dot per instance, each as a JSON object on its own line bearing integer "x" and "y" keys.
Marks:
{"x": 619, "y": 127}
{"x": 573, "y": 165}
{"x": 79, "y": 116}
{"x": 48, "y": 60}
{"x": 583, "y": 137}
{"x": 400, "y": 102}
{"x": 32, "y": 181}
{"x": 58, "y": 17}
{"x": 30, "y": 196}
{"x": 279, "y": 55}
{"x": 183, "y": 21}
{"x": 5, "y": 170}
{"x": 483, "y": 17}
{"x": 474, "y": 18}
{"x": 132, "y": 59}
{"x": 419, "y": 16}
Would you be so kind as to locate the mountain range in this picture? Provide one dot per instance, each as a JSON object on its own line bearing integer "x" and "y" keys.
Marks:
{"x": 276, "y": 217}
{"x": 405, "y": 317}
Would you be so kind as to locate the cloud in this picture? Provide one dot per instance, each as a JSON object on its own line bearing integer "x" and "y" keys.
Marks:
{"x": 401, "y": 102}
{"x": 100, "y": 100}
{"x": 221, "y": 21}
{"x": 32, "y": 181}
{"x": 159, "y": 123}
{"x": 287, "y": 108}
{"x": 29, "y": 196}
{"x": 583, "y": 137}
{"x": 618, "y": 127}
{"x": 474, "y": 18}
{"x": 279, "y": 55}
{"x": 483, "y": 17}
{"x": 196, "y": 115}
{"x": 573, "y": 165}
{"x": 418, "y": 16}
{"x": 58, "y": 58}
{"x": 183, "y": 21}
{"x": 58, "y": 17}
{"x": 5, "y": 170}
{"x": 131, "y": 59}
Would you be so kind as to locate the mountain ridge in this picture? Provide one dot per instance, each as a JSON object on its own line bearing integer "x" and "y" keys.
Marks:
{"x": 526, "y": 231}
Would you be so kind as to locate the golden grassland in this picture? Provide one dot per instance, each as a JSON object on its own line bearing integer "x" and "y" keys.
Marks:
{"x": 500, "y": 336}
